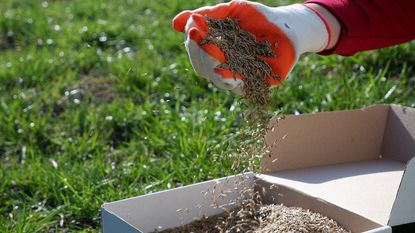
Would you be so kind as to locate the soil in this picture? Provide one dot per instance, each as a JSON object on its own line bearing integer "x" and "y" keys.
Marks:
{"x": 243, "y": 56}
{"x": 267, "y": 219}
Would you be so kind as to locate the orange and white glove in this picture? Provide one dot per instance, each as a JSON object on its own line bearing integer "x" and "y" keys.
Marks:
{"x": 291, "y": 30}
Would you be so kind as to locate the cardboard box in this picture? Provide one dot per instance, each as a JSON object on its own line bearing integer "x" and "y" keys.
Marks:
{"x": 357, "y": 167}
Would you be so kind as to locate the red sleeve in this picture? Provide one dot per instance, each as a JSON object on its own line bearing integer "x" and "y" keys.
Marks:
{"x": 371, "y": 24}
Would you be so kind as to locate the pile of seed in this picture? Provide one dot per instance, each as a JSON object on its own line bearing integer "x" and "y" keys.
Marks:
{"x": 252, "y": 215}
{"x": 268, "y": 219}
{"x": 242, "y": 52}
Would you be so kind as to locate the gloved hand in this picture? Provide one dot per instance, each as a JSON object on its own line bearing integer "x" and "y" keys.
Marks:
{"x": 291, "y": 30}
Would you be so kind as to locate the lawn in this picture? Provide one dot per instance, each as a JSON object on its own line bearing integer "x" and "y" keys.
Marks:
{"x": 98, "y": 102}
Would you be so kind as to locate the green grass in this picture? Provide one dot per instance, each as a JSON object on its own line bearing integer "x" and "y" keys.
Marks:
{"x": 98, "y": 102}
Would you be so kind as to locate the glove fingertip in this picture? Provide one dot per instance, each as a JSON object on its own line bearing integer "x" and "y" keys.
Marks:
{"x": 180, "y": 20}
{"x": 227, "y": 73}
{"x": 273, "y": 82}
{"x": 196, "y": 35}
{"x": 213, "y": 50}
{"x": 200, "y": 21}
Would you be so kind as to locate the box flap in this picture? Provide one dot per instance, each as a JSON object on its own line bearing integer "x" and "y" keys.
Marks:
{"x": 399, "y": 144}
{"x": 112, "y": 223}
{"x": 366, "y": 188}
{"x": 399, "y": 139}
{"x": 403, "y": 210}
{"x": 325, "y": 138}
{"x": 385, "y": 229}
{"x": 174, "y": 207}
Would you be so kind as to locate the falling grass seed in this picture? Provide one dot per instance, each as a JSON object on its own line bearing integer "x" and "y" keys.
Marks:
{"x": 242, "y": 53}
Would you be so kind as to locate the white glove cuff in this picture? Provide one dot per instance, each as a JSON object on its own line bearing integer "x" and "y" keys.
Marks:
{"x": 304, "y": 27}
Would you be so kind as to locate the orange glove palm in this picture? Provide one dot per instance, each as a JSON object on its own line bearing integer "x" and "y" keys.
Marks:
{"x": 282, "y": 27}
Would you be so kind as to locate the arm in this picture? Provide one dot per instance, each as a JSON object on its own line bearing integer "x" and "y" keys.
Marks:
{"x": 331, "y": 21}
{"x": 368, "y": 24}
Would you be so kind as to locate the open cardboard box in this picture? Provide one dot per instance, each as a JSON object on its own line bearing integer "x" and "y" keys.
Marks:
{"x": 357, "y": 167}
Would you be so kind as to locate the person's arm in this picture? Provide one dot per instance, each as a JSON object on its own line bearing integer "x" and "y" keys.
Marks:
{"x": 369, "y": 24}
{"x": 332, "y": 23}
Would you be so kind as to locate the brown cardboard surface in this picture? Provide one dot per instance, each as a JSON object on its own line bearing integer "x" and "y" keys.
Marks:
{"x": 399, "y": 139}
{"x": 366, "y": 188}
{"x": 172, "y": 208}
{"x": 159, "y": 210}
{"x": 325, "y": 138}
{"x": 403, "y": 210}
{"x": 311, "y": 142}
{"x": 357, "y": 167}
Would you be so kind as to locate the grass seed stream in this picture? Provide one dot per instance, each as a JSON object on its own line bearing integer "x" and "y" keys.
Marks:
{"x": 242, "y": 52}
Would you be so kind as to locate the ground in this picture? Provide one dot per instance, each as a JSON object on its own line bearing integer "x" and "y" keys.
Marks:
{"x": 98, "y": 102}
